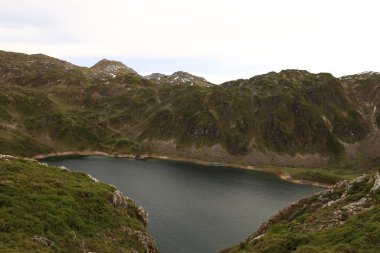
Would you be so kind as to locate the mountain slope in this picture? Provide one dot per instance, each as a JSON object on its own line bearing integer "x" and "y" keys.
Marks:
{"x": 265, "y": 119}
{"x": 344, "y": 218}
{"x": 32, "y": 121}
{"x": 49, "y": 209}
{"x": 290, "y": 118}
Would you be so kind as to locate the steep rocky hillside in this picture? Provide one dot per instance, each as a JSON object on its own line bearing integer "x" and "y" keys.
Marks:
{"x": 290, "y": 118}
{"x": 345, "y": 218}
{"x": 364, "y": 90}
{"x": 49, "y": 209}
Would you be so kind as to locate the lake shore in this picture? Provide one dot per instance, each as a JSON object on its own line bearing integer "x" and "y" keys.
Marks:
{"x": 281, "y": 174}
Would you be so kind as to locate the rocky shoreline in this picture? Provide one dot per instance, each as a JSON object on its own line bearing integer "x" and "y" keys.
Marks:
{"x": 281, "y": 175}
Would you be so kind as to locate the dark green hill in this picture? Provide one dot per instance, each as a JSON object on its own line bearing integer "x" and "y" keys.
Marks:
{"x": 49, "y": 209}
{"x": 34, "y": 122}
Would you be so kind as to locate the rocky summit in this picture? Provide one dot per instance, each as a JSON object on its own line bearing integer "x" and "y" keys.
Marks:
{"x": 178, "y": 78}
{"x": 112, "y": 68}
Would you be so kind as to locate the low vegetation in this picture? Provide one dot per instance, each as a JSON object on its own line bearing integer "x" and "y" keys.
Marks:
{"x": 49, "y": 209}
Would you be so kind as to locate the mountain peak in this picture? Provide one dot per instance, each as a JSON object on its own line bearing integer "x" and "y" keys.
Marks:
{"x": 112, "y": 67}
{"x": 179, "y": 78}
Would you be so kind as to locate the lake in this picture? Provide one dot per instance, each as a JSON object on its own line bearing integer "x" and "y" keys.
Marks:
{"x": 193, "y": 208}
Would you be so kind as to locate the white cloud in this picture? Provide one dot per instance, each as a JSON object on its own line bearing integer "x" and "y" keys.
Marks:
{"x": 241, "y": 37}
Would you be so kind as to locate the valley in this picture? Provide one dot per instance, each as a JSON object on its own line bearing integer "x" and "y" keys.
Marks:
{"x": 306, "y": 128}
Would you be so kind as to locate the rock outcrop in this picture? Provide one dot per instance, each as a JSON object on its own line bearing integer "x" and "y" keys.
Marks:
{"x": 118, "y": 200}
{"x": 144, "y": 238}
{"x": 43, "y": 241}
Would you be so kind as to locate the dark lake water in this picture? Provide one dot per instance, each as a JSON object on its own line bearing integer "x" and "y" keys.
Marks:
{"x": 193, "y": 208}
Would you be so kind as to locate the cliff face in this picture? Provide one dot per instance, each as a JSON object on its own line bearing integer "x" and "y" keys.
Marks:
{"x": 344, "y": 218}
{"x": 50, "y": 209}
{"x": 289, "y": 118}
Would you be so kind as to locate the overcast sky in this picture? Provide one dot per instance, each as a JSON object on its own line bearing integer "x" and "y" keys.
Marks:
{"x": 220, "y": 40}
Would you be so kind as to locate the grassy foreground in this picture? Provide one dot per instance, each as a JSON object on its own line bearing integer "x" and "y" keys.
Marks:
{"x": 50, "y": 209}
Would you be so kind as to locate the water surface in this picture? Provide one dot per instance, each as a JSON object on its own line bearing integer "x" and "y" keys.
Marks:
{"x": 193, "y": 208}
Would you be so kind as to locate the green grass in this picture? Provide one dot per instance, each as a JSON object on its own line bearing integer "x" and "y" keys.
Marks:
{"x": 67, "y": 208}
{"x": 322, "y": 175}
{"x": 327, "y": 176}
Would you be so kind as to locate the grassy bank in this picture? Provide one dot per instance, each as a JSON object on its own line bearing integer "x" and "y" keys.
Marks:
{"x": 324, "y": 176}
{"x": 49, "y": 209}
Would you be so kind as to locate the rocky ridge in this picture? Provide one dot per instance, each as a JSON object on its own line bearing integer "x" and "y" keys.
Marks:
{"x": 178, "y": 78}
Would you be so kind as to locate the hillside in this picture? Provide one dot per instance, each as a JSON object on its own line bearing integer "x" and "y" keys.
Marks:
{"x": 344, "y": 218}
{"x": 290, "y": 118}
{"x": 49, "y": 209}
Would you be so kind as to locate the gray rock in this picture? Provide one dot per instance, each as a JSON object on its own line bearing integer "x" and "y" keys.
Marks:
{"x": 43, "y": 240}
{"x": 118, "y": 200}
{"x": 376, "y": 184}
{"x": 143, "y": 215}
{"x": 144, "y": 238}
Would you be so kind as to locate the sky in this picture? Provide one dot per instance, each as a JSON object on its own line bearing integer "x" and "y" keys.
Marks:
{"x": 220, "y": 40}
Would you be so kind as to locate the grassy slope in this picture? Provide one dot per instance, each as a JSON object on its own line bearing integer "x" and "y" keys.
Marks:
{"x": 68, "y": 208}
{"x": 310, "y": 226}
{"x": 40, "y": 123}
{"x": 324, "y": 176}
